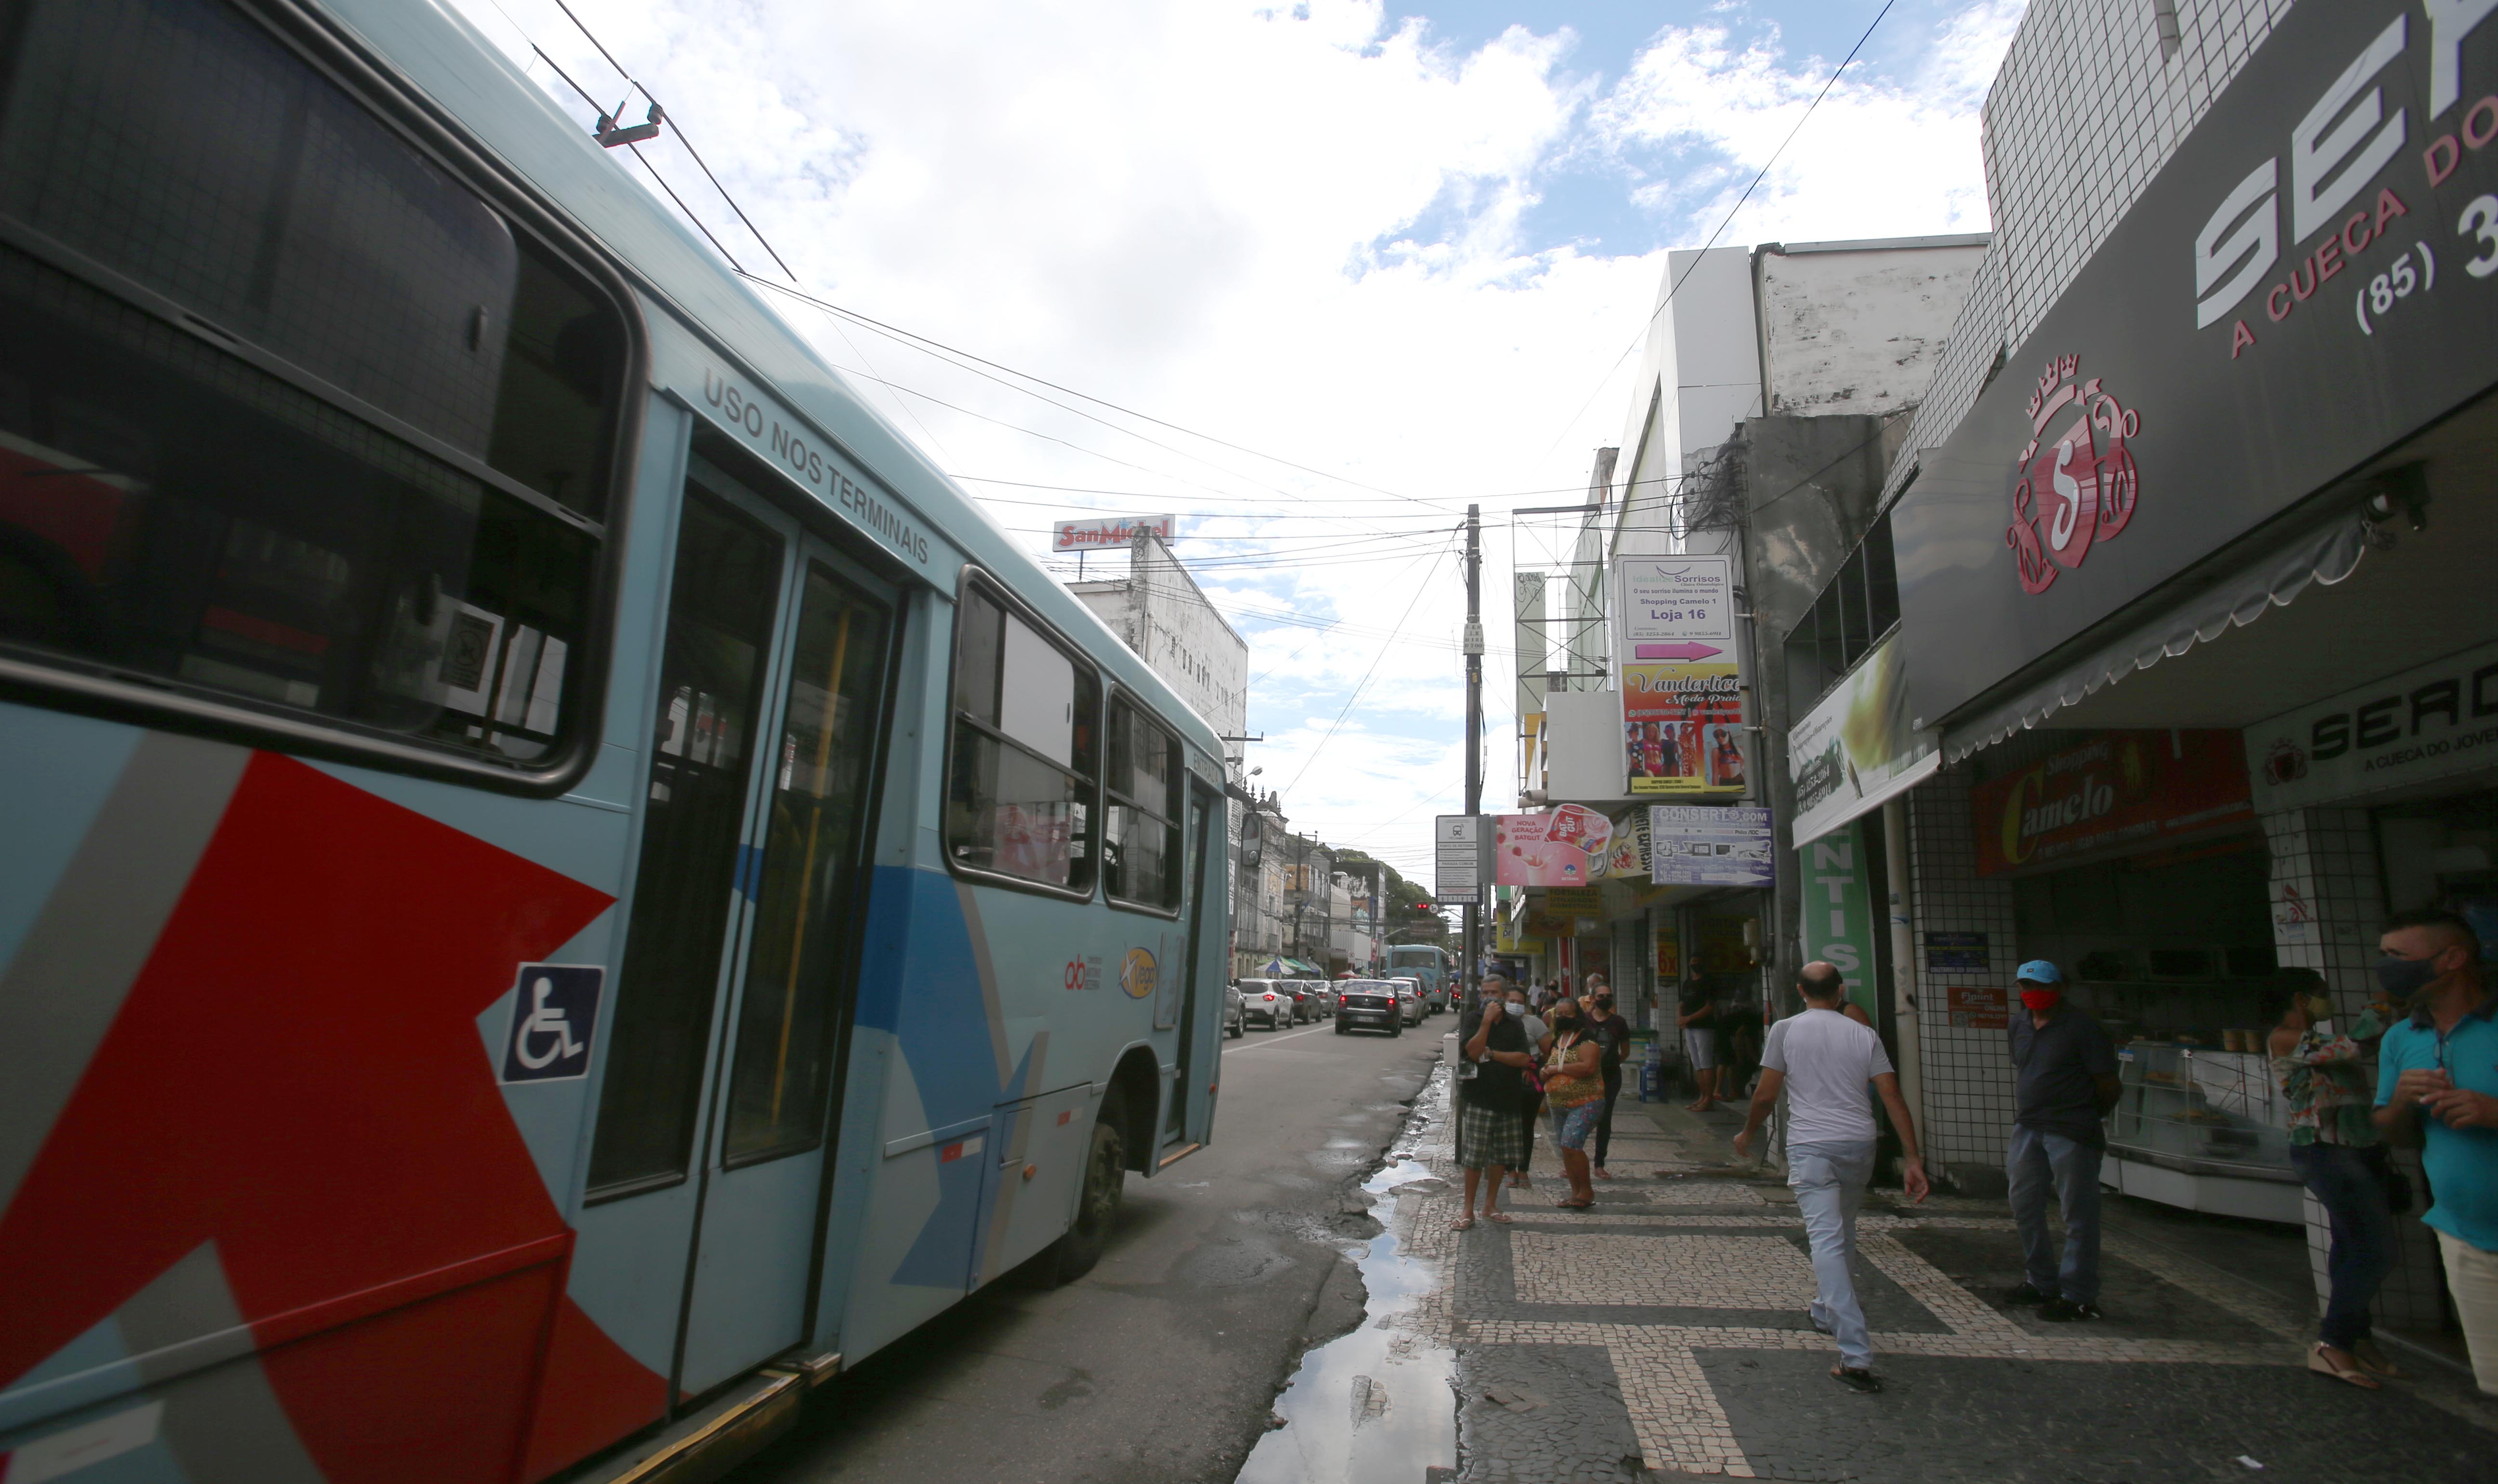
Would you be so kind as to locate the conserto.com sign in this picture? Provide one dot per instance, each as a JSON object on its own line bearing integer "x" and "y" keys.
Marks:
{"x": 1092, "y": 533}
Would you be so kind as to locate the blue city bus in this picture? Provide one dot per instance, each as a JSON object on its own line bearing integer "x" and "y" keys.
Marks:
{"x": 563, "y": 883}
{"x": 1433, "y": 966}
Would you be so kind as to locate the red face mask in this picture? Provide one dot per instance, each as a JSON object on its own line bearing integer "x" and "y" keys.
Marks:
{"x": 2041, "y": 1001}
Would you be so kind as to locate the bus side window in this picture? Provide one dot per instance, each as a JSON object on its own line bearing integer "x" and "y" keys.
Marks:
{"x": 1141, "y": 856}
{"x": 374, "y": 493}
{"x": 1019, "y": 803}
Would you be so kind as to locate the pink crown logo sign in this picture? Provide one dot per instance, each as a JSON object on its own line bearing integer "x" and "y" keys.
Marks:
{"x": 2075, "y": 487}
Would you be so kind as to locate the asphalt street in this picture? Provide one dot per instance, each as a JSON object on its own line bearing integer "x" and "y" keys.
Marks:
{"x": 1163, "y": 1363}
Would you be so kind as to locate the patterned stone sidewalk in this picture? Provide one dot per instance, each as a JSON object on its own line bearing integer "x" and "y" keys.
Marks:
{"x": 1663, "y": 1334}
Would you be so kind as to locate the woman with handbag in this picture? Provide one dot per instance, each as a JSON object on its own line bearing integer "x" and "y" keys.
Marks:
{"x": 2334, "y": 1146}
{"x": 1574, "y": 1089}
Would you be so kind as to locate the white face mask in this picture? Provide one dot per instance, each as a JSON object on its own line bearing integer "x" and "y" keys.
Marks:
{"x": 1517, "y": 1006}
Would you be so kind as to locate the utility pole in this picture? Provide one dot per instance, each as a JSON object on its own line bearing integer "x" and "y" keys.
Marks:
{"x": 1471, "y": 947}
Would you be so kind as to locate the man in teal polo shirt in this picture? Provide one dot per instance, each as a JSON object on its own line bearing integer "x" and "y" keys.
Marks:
{"x": 2438, "y": 1074}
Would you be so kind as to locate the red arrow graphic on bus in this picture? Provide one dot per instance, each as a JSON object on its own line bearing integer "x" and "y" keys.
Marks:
{"x": 297, "y": 1078}
{"x": 1685, "y": 651}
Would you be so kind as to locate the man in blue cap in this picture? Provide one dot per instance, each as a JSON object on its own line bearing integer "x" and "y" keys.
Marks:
{"x": 2064, "y": 1070}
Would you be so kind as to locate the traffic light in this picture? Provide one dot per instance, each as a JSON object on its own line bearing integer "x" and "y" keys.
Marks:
{"x": 1424, "y": 906}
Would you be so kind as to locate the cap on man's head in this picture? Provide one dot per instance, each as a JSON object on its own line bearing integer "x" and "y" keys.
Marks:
{"x": 2038, "y": 971}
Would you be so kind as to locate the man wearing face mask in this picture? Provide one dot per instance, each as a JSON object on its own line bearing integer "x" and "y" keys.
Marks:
{"x": 2437, "y": 1076}
{"x": 2064, "y": 1070}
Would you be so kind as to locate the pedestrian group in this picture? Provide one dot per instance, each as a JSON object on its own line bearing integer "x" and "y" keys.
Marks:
{"x": 2435, "y": 1088}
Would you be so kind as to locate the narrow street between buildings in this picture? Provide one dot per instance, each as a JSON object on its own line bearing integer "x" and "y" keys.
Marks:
{"x": 1161, "y": 1365}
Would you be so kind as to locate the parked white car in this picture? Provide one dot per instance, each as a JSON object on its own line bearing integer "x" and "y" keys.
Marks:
{"x": 1269, "y": 1002}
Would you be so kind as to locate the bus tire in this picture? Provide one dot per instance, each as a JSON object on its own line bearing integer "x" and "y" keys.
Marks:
{"x": 1097, "y": 1200}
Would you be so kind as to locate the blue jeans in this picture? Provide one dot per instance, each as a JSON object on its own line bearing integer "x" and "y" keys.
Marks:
{"x": 2346, "y": 1185}
{"x": 2034, "y": 1161}
{"x": 1829, "y": 1182}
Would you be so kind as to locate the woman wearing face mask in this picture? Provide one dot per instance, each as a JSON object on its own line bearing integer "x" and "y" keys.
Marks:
{"x": 2333, "y": 1143}
{"x": 1574, "y": 1084}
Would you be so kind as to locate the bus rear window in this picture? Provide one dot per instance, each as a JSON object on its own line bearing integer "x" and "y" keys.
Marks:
{"x": 227, "y": 512}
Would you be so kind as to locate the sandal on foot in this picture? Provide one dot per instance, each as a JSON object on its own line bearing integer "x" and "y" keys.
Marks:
{"x": 1462, "y": 1224}
{"x": 2375, "y": 1361}
{"x": 2325, "y": 1364}
{"x": 1603, "y": 1174}
{"x": 1865, "y": 1381}
{"x": 1573, "y": 1204}
{"x": 1500, "y": 1217}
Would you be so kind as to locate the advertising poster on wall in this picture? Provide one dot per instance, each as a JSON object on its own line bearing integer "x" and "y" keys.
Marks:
{"x": 1855, "y": 748}
{"x": 1683, "y": 699}
{"x": 1707, "y": 844}
{"x": 1567, "y": 847}
{"x": 2111, "y": 791}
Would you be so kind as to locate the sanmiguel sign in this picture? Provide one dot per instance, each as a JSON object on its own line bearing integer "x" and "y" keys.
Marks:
{"x": 2312, "y": 277}
{"x": 2113, "y": 790}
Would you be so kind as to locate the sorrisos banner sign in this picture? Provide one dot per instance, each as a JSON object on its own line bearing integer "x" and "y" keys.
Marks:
{"x": 2312, "y": 277}
{"x": 1567, "y": 847}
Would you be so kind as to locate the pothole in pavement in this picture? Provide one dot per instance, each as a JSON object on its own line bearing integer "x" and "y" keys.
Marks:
{"x": 1374, "y": 1403}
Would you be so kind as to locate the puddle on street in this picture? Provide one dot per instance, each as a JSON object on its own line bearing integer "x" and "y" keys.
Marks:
{"x": 1372, "y": 1406}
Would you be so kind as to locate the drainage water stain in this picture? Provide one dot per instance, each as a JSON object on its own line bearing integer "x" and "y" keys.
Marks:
{"x": 1374, "y": 1404}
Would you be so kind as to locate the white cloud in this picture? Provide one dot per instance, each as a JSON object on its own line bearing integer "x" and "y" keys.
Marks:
{"x": 1301, "y": 228}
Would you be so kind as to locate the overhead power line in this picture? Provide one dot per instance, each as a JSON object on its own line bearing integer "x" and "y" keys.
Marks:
{"x": 897, "y": 332}
{"x": 1757, "y": 177}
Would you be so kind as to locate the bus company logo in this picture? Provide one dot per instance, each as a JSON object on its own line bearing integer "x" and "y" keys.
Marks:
{"x": 2075, "y": 487}
{"x": 1139, "y": 974}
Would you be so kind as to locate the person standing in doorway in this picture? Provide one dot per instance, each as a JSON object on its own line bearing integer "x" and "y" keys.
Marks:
{"x": 2437, "y": 1080}
{"x": 1826, "y": 1063}
{"x": 1697, "y": 1015}
{"x": 1612, "y": 1036}
{"x": 2064, "y": 1082}
{"x": 2333, "y": 1145}
{"x": 1493, "y": 1046}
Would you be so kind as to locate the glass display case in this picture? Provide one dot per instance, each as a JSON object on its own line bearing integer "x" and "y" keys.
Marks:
{"x": 2201, "y": 1129}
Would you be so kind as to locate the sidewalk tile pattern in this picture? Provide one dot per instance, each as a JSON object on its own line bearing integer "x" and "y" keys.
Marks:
{"x": 1672, "y": 1316}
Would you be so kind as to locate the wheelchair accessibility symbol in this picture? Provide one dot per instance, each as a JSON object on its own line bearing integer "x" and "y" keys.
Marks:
{"x": 555, "y": 1009}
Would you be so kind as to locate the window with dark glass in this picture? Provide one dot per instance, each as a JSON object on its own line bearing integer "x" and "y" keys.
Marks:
{"x": 1019, "y": 802}
{"x": 722, "y": 599}
{"x": 1860, "y": 605}
{"x": 807, "y": 879}
{"x": 1140, "y": 807}
{"x": 288, "y": 415}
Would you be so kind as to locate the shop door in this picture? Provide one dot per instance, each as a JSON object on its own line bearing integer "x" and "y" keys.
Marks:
{"x": 788, "y": 971}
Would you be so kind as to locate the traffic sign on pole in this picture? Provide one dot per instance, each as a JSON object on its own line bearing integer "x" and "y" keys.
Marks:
{"x": 1460, "y": 859}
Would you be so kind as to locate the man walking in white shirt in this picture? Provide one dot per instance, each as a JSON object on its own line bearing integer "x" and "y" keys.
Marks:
{"x": 1824, "y": 1060}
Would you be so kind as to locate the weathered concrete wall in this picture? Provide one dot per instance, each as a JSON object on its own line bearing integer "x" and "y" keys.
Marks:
{"x": 1859, "y": 329}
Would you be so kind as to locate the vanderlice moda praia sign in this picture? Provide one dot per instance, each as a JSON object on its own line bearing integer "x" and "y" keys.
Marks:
{"x": 2313, "y": 276}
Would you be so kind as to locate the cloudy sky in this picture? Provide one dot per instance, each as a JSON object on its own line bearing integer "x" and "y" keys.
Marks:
{"x": 1394, "y": 254}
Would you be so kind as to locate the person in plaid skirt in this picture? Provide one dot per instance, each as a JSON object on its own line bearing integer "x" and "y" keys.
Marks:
{"x": 1492, "y": 1057}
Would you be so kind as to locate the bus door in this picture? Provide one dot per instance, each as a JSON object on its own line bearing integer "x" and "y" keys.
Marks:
{"x": 737, "y": 981}
{"x": 1195, "y": 1063}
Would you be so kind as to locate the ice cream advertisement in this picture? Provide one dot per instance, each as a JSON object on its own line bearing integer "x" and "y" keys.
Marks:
{"x": 1567, "y": 847}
